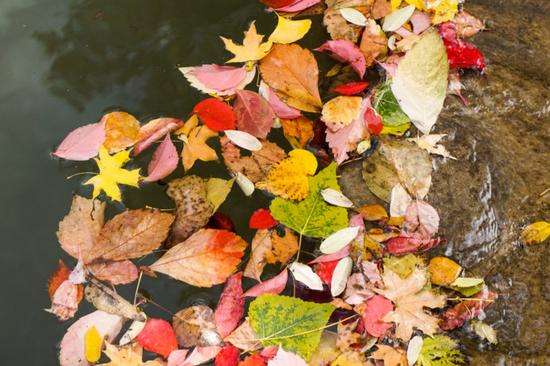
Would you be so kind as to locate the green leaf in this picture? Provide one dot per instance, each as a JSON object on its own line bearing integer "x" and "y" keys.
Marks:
{"x": 291, "y": 323}
{"x": 217, "y": 190}
{"x": 467, "y": 286}
{"x": 439, "y": 351}
{"x": 404, "y": 265}
{"x": 394, "y": 120}
{"x": 313, "y": 216}
{"x": 420, "y": 82}
{"x": 485, "y": 331}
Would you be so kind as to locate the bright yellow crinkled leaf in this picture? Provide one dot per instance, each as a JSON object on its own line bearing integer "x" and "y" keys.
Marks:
{"x": 92, "y": 344}
{"x": 194, "y": 142}
{"x": 111, "y": 174}
{"x": 129, "y": 355}
{"x": 536, "y": 233}
{"x": 121, "y": 131}
{"x": 289, "y": 31}
{"x": 288, "y": 178}
{"x": 252, "y": 48}
{"x": 443, "y": 270}
{"x": 443, "y": 10}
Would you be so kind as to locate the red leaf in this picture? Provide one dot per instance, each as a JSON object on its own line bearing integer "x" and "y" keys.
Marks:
{"x": 277, "y": 3}
{"x": 253, "y": 113}
{"x": 352, "y": 88}
{"x": 461, "y": 54}
{"x": 404, "y": 244}
{"x": 346, "y": 51}
{"x": 221, "y": 221}
{"x": 216, "y": 114}
{"x": 61, "y": 274}
{"x": 298, "y": 5}
{"x": 262, "y": 219}
{"x": 376, "y": 308}
{"x": 230, "y": 308}
{"x": 466, "y": 310}
{"x": 373, "y": 121}
{"x": 158, "y": 337}
{"x": 164, "y": 161}
{"x": 253, "y": 360}
{"x": 228, "y": 356}
{"x": 82, "y": 143}
{"x": 325, "y": 270}
{"x": 274, "y": 285}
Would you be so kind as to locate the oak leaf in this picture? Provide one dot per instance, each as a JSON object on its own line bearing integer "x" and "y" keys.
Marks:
{"x": 292, "y": 72}
{"x": 205, "y": 259}
{"x": 252, "y": 49}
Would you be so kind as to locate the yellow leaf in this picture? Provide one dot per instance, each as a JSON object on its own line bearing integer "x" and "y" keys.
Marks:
{"x": 418, "y": 3}
{"x": 111, "y": 174}
{"x": 341, "y": 111}
{"x": 217, "y": 190}
{"x": 351, "y": 358}
{"x": 289, "y": 177}
{"x": 443, "y": 270}
{"x": 121, "y": 131}
{"x": 194, "y": 142}
{"x": 391, "y": 356}
{"x": 252, "y": 48}
{"x": 442, "y": 10}
{"x": 129, "y": 355}
{"x": 536, "y": 233}
{"x": 289, "y": 31}
{"x": 298, "y": 131}
{"x": 93, "y": 341}
{"x": 395, "y": 4}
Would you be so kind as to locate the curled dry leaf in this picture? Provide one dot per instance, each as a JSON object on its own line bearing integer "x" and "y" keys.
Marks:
{"x": 292, "y": 72}
{"x": 253, "y": 114}
{"x": 352, "y": 88}
{"x": 194, "y": 327}
{"x": 430, "y": 143}
{"x": 205, "y": 259}
{"x": 106, "y": 299}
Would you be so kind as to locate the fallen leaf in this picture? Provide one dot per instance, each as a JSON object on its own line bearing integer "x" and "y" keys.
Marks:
{"x": 83, "y": 143}
{"x": 261, "y": 245}
{"x": 228, "y": 356}
{"x": 114, "y": 272}
{"x": 298, "y": 131}
{"x": 218, "y": 80}
{"x": 111, "y": 174}
{"x": 289, "y": 177}
{"x": 230, "y": 307}
{"x": 421, "y": 220}
{"x": 132, "y": 332}
{"x": 244, "y": 337}
{"x": 154, "y": 130}
{"x": 121, "y": 131}
{"x": 289, "y": 31}
{"x": 205, "y": 259}
{"x": 106, "y": 299}
{"x": 283, "y": 248}
{"x": 130, "y": 355}
{"x": 255, "y": 359}
{"x": 341, "y": 111}
{"x": 164, "y": 161}
{"x": 337, "y": 26}
{"x": 536, "y": 232}
{"x": 442, "y": 10}
{"x": 61, "y": 274}
{"x": 244, "y": 140}
{"x": 396, "y": 19}
{"x": 262, "y": 219}
{"x": 298, "y": 5}
{"x": 325, "y": 270}
{"x": 277, "y": 3}
{"x": 290, "y": 323}
{"x": 352, "y": 88}
{"x": 217, "y": 190}
{"x": 373, "y": 312}
{"x": 93, "y": 343}
{"x": 380, "y": 8}
{"x": 194, "y": 326}
{"x": 347, "y": 335}
{"x": 439, "y": 349}
{"x": 201, "y": 355}
{"x": 133, "y": 234}
{"x": 443, "y": 270}
{"x": 158, "y": 337}
{"x": 340, "y": 276}
{"x": 292, "y": 72}
{"x": 460, "y": 54}
{"x": 215, "y": 114}
{"x": 372, "y": 212}
{"x": 354, "y": 16}
{"x": 395, "y": 121}
{"x": 304, "y": 274}
{"x": 467, "y": 286}
{"x": 65, "y": 300}
{"x": 252, "y": 49}
{"x": 284, "y": 358}
{"x": 485, "y": 331}
{"x": 346, "y": 51}
{"x": 339, "y": 239}
{"x": 414, "y": 348}
{"x": 404, "y": 265}
{"x": 351, "y": 358}
{"x": 467, "y": 25}
{"x": 194, "y": 143}
{"x": 390, "y": 356}
{"x": 253, "y": 113}
{"x": 336, "y": 198}
{"x": 281, "y": 109}
{"x": 430, "y": 143}
{"x": 274, "y": 285}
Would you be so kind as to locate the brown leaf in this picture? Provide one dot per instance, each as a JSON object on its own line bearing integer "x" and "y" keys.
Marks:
{"x": 78, "y": 230}
{"x": 337, "y": 26}
{"x": 298, "y": 131}
{"x": 372, "y": 212}
{"x": 467, "y": 25}
{"x": 106, "y": 299}
{"x": 244, "y": 337}
{"x": 194, "y": 327}
{"x": 292, "y": 72}
{"x": 390, "y": 356}
{"x": 193, "y": 209}
{"x": 255, "y": 166}
{"x": 380, "y": 8}
{"x": 114, "y": 272}
{"x": 261, "y": 245}
{"x": 374, "y": 44}
{"x": 347, "y": 336}
{"x": 133, "y": 234}
{"x": 283, "y": 247}
{"x": 61, "y": 274}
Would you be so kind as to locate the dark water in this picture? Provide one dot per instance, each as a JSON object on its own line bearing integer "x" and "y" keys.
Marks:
{"x": 65, "y": 63}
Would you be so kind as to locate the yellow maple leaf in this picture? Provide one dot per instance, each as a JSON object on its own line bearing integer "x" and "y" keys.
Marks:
{"x": 289, "y": 31}
{"x": 93, "y": 342}
{"x": 443, "y": 10}
{"x": 289, "y": 177}
{"x": 252, "y": 48}
{"x": 130, "y": 355}
{"x": 111, "y": 174}
{"x": 536, "y": 232}
{"x": 194, "y": 139}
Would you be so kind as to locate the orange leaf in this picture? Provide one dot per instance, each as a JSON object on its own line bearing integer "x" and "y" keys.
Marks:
{"x": 60, "y": 275}
{"x": 298, "y": 131}
{"x": 443, "y": 270}
{"x": 373, "y": 212}
{"x": 121, "y": 131}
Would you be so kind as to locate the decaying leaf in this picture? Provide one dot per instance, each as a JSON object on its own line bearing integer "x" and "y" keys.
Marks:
{"x": 536, "y": 232}
{"x": 430, "y": 143}
{"x": 374, "y": 44}
{"x": 253, "y": 113}
{"x": 467, "y": 25}
{"x": 107, "y": 300}
{"x": 337, "y": 26}
{"x": 194, "y": 327}
{"x": 341, "y": 111}
{"x": 390, "y": 356}
{"x": 485, "y": 331}
{"x": 244, "y": 337}
{"x": 130, "y": 355}
{"x": 252, "y": 49}
{"x": 298, "y": 131}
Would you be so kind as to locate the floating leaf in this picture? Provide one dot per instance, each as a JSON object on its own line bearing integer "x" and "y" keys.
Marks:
{"x": 82, "y": 143}
{"x": 194, "y": 143}
{"x": 405, "y": 265}
{"x": 130, "y": 355}
{"x": 244, "y": 140}
{"x": 397, "y": 18}
{"x": 216, "y": 114}
{"x": 390, "y": 356}
{"x": 106, "y": 299}
{"x": 443, "y": 10}
{"x": 468, "y": 286}
{"x": 352, "y": 88}
{"x": 312, "y": 216}
{"x": 153, "y": 131}
{"x": 244, "y": 337}
{"x": 305, "y": 275}
{"x": 374, "y": 44}
{"x": 439, "y": 350}
{"x": 281, "y": 109}
{"x": 340, "y": 276}
{"x": 373, "y": 312}
{"x": 284, "y": 358}
{"x": 121, "y": 131}
{"x": 230, "y": 307}
{"x": 536, "y": 232}
{"x": 443, "y": 270}
{"x": 216, "y": 79}
{"x": 413, "y": 349}
{"x": 289, "y": 31}
{"x": 430, "y": 143}
{"x": 252, "y": 49}
{"x": 348, "y": 52}
{"x": 338, "y": 240}
{"x": 336, "y": 24}
{"x": 283, "y": 248}
{"x": 261, "y": 219}
{"x": 261, "y": 245}
{"x": 194, "y": 327}
{"x": 298, "y": 131}
{"x": 341, "y": 111}
{"x": 164, "y": 161}
{"x": 158, "y": 337}
{"x": 298, "y": 5}
{"x": 372, "y": 212}
{"x": 229, "y": 355}
{"x": 421, "y": 219}
{"x": 274, "y": 285}
{"x": 253, "y": 114}
{"x": 354, "y": 16}
{"x": 388, "y": 108}
{"x": 336, "y": 198}
{"x": 465, "y": 310}
{"x": 291, "y": 323}
{"x": 217, "y": 190}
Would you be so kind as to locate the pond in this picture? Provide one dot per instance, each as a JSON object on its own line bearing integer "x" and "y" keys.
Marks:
{"x": 65, "y": 63}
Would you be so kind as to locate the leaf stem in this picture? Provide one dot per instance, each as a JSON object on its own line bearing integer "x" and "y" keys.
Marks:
{"x": 81, "y": 173}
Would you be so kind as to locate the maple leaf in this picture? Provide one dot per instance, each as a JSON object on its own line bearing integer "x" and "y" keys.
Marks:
{"x": 391, "y": 356}
{"x": 207, "y": 258}
{"x": 410, "y": 301}
{"x": 111, "y": 174}
{"x": 289, "y": 177}
{"x": 194, "y": 143}
{"x": 430, "y": 143}
{"x": 439, "y": 351}
{"x": 252, "y": 48}
{"x": 130, "y": 355}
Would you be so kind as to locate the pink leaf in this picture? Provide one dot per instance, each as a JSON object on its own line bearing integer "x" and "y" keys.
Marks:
{"x": 216, "y": 79}
{"x": 231, "y": 306}
{"x": 373, "y": 121}
{"x": 82, "y": 143}
{"x": 284, "y": 358}
{"x": 404, "y": 244}
{"x": 154, "y": 130}
{"x": 420, "y": 21}
{"x": 114, "y": 272}
{"x": 377, "y": 307}
{"x": 253, "y": 113}
{"x": 298, "y": 5}
{"x": 201, "y": 355}
{"x": 346, "y": 51}
{"x": 177, "y": 357}
{"x": 281, "y": 109}
{"x": 344, "y": 252}
{"x": 164, "y": 160}
{"x": 65, "y": 301}
{"x": 274, "y": 285}
{"x": 72, "y": 344}
{"x": 421, "y": 219}
{"x": 370, "y": 269}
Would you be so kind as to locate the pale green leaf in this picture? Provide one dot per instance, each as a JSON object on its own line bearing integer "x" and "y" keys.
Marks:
{"x": 485, "y": 331}
{"x": 394, "y": 120}
{"x": 404, "y": 265}
{"x": 313, "y": 216}
{"x": 439, "y": 351}
{"x": 217, "y": 190}
{"x": 288, "y": 322}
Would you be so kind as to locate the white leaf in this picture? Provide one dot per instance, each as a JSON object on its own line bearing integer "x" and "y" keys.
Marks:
{"x": 391, "y": 42}
{"x": 284, "y": 358}
{"x": 305, "y": 274}
{"x": 336, "y": 198}
{"x": 415, "y": 346}
{"x": 396, "y": 19}
{"x": 353, "y": 16}
{"x": 420, "y": 82}
{"x": 340, "y": 276}
{"x": 339, "y": 239}
{"x": 135, "y": 328}
{"x": 430, "y": 143}
{"x": 399, "y": 201}
{"x": 245, "y": 184}
{"x": 244, "y": 140}
{"x": 464, "y": 282}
